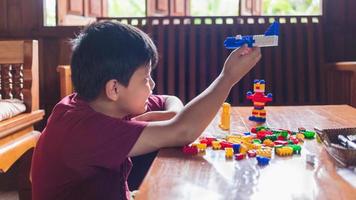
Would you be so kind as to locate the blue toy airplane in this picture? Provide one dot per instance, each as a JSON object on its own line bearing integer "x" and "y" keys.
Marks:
{"x": 269, "y": 39}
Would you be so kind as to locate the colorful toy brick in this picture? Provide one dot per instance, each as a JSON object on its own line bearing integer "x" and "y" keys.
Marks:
{"x": 201, "y": 146}
{"x": 207, "y": 140}
{"x": 257, "y": 141}
{"x": 229, "y": 152}
{"x": 309, "y": 134}
{"x": 243, "y": 148}
{"x": 225, "y": 116}
{"x": 284, "y": 151}
{"x": 259, "y": 100}
{"x": 280, "y": 142}
{"x": 268, "y": 143}
{"x": 236, "y": 147}
{"x": 216, "y": 145}
{"x": 239, "y": 156}
{"x": 251, "y": 153}
{"x": 296, "y": 148}
{"x": 191, "y": 150}
{"x": 265, "y": 152}
{"x": 262, "y": 160}
{"x": 300, "y": 137}
{"x": 271, "y": 137}
{"x": 225, "y": 144}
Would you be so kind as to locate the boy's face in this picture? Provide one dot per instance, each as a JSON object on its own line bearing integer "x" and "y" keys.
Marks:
{"x": 134, "y": 97}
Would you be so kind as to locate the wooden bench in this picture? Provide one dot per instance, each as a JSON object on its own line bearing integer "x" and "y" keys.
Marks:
{"x": 19, "y": 79}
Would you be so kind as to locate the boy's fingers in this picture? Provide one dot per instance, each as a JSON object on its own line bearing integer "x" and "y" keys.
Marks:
{"x": 240, "y": 51}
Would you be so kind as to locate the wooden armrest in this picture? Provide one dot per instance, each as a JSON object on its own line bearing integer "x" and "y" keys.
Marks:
{"x": 20, "y": 121}
{"x": 343, "y": 66}
{"x": 14, "y": 146}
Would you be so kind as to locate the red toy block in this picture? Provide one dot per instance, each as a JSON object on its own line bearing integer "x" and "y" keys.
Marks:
{"x": 251, "y": 153}
{"x": 253, "y": 130}
{"x": 225, "y": 144}
{"x": 239, "y": 156}
{"x": 191, "y": 150}
{"x": 280, "y": 142}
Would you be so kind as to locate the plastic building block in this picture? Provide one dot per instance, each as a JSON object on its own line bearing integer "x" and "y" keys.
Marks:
{"x": 280, "y": 142}
{"x": 247, "y": 133}
{"x": 294, "y": 139}
{"x": 239, "y": 156}
{"x": 268, "y": 142}
{"x": 207, "y": 140}
{"x": 225, "y": 116}
{"x": 309, "y": 134}
{"x": 236, "y": 147}
{"x": 243, "y": 148}
{"x": 301, "y": 129}
{"x": 266, "y": 152}
{"x": 216, "y": 145}
{"x": 300, "y": 137}
{"x": 296, "y": 148}
{"x": 254, "y": 130}
{"x": 229, "y": 152}
{"x": 225, "y": 144}
{"x": 259, "y": 100}
{"x": 201, "y": 146}
{"x": 251, "y": 153}
{"x": 284, "y": 151}
{"x": 268, "y": 39}
{"x": 272, "y": 137}
{"x": 262, "y": 160}
{"x": 191, "y": 150}
{"x": 257, "y": 141}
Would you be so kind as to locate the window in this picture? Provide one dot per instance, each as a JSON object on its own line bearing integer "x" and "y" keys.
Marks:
{"x": 127, "y": 8}
{"x": 80, "y": 12}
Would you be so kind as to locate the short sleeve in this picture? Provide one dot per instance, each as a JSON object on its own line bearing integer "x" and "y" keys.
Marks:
{"x": 156, "y": 103}
{"x": 101, "y": 141}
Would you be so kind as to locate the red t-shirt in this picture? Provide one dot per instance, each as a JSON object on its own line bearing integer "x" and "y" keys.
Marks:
{"x": 83, "y": 154}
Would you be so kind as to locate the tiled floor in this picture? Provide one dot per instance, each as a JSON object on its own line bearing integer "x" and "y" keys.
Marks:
{"x": 10, "y": 195}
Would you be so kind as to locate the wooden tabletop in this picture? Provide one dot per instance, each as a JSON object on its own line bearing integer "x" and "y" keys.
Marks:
{"x": 174, "y": 175}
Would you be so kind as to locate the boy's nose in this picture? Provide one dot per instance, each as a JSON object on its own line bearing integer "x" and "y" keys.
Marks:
{"x": 152, "y": 84}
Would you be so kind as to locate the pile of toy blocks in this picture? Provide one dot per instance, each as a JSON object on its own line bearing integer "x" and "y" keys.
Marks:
{"x": 259, "y": 143}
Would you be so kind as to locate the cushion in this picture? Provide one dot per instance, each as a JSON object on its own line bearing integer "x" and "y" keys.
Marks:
{"x": 10, "y": 108}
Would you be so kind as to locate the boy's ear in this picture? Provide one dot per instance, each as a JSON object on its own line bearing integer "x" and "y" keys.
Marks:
{"x": 112, "y": 89}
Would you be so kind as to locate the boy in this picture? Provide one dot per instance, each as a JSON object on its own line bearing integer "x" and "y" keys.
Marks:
{"x": 84, "y": 151}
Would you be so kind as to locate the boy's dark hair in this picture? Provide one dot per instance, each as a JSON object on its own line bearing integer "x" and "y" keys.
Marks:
{"x": 108, "y": 50}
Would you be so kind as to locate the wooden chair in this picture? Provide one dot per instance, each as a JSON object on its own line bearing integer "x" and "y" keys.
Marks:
{"x": 19, "y": 79}
{"x": 65, "y": 80}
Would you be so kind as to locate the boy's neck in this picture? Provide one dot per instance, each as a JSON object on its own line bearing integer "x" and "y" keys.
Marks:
{"x": 108, "y": 108}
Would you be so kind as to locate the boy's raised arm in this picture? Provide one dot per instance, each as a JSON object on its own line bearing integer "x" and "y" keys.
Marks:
{"x": 188, "y": 124}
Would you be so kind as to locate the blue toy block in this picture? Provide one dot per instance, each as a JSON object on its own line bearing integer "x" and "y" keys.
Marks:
{"x": 262, "y": 160}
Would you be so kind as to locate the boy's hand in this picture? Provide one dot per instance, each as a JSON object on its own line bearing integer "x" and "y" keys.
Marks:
{"x": 155, "y": 116}
{"x": 239, "y": 62}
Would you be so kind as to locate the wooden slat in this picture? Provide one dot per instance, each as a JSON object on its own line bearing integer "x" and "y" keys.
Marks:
{"x": 289, "y": 67}
{"x": 311, "y": 62}
{"x": 192, "y": 61}
{"x": 182, "y": 61}
{"x": 171, "y": 48}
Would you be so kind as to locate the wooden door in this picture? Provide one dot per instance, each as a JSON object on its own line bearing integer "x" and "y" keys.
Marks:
{"x": 80, "y": 12}
{"x": 168, "y": 7}
{"x": 251, "y": 7}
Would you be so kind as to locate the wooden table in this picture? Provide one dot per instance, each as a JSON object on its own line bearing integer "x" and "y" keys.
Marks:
{"x": 174, "y": 175}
